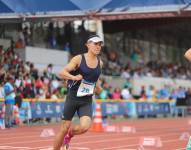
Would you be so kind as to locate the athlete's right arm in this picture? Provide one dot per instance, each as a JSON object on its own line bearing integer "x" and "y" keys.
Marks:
{"x": 72, "y": 65}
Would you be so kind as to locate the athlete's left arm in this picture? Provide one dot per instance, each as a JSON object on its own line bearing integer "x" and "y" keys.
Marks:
{"x": 98, "y": 87}
{"x": 188, "y": 54}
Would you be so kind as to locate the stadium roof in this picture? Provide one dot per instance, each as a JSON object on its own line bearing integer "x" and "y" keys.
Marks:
{"x": 94, "y": 9}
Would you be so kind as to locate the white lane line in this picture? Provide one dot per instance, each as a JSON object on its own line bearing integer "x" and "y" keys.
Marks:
{"x": 97, "y": 141}
{"x": 126, "y": 149}
{"x": 14, "y": 147}
{"x": 122, "y": 147}
{"x": 181, "y": 149}
{"x": 126, "y": 146}
{"x": 78, "y": 148}
{"x": 89, "y": 136}
{"x": 87, "y": 142}
{"x": 33, "y": 133}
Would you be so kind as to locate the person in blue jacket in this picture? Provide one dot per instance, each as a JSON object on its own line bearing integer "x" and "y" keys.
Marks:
{"x": 9, "y": 97}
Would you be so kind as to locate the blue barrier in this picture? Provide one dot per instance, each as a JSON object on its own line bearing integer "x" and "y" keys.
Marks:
{"x": 118, "y": 108}
{"x": 144, "y": 109}
{"x": 43, "y": 109}
{"x": 47, "y": 109}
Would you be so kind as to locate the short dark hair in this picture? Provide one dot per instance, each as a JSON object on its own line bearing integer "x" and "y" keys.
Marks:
{"x": 91, "y": 36}
{"x": 95, "y": 38}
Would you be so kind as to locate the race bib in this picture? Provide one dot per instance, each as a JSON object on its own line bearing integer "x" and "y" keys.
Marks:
{"x": 85, "y": 88}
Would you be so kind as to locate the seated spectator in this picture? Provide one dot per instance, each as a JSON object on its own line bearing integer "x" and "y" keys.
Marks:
{"x": 54, "y": 83}
{"x": 126, "y": 73}
{"x": 151, "y": 93}
{"x": 116, "y": 94}
{"x": 181, "y": 97}
{"x": 55, "y": 94}
{"x": 143, "y": 93}
{"x": 39, "y": 84}
{"x": 49, "y": 71}
{"x": 105, "y": 92}
{"x": 164, "y": 93}
{"x": 125, "y": 93}
{"x": 63, "y": 91}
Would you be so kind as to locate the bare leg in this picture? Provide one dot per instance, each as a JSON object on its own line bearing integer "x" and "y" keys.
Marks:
{"x": 60, "y": 136}
{"x": 85, "y": 124}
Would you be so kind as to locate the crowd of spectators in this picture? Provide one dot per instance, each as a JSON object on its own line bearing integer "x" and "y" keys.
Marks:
{"x": 154, "y": 69}
{"x": 29, "y": 82}
{"x": 114, "y": 66}
{"x": 149, "y": 93}
{"x": 68, "y": 39}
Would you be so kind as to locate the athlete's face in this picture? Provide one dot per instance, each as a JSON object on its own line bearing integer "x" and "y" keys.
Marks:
{"x": 95, "y": 48}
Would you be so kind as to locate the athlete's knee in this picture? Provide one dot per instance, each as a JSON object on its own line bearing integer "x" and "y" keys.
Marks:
{"x": 85, "y": 128}
{"x": 65, "y": 126}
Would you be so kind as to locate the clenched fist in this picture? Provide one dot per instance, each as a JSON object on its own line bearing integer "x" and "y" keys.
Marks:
{"x": 78, "y": 77}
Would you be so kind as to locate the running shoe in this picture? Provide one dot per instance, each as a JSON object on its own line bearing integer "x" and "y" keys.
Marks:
{"x": 67, "y": 140}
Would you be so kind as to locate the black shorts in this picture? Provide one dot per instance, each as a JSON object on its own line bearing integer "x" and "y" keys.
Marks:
{"x": 81, "y": 105}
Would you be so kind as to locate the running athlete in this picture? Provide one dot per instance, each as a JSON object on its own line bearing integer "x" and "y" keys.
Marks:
{"x": 82, "y": 73}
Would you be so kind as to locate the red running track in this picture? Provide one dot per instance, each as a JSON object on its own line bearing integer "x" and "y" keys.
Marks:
{"x": 168, "y": 129}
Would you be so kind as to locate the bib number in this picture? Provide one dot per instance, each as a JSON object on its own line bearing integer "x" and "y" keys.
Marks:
{"x": 85, "y": 88}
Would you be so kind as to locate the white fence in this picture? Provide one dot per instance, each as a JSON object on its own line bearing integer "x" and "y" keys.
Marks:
{"x": 41, "y": 57}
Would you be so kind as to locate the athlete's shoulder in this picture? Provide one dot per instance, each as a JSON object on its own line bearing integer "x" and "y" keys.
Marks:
{"x": 76, "y": 58}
